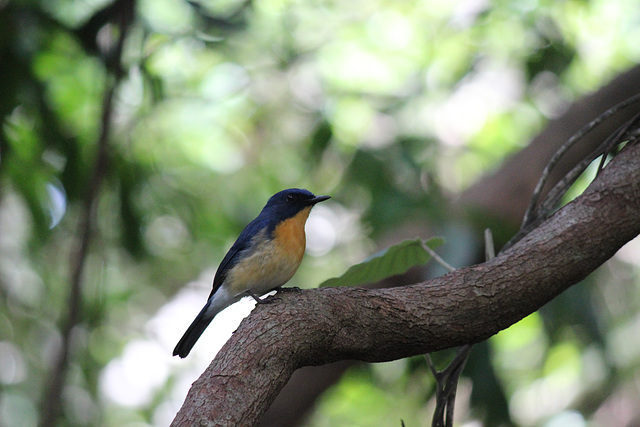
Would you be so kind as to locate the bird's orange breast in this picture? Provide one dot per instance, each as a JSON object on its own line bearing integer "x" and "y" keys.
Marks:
{"x": 272, "y": 261}
{"x": 290, "y": 237}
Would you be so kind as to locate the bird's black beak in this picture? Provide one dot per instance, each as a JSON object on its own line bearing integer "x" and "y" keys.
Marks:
{"x": 318, "y": 199}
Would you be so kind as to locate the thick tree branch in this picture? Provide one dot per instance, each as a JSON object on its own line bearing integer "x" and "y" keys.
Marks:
{"x": 500, "y": 196}
{"x": 466, "y": 306}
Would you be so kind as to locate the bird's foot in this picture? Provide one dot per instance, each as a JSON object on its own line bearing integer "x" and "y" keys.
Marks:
{"x": 269, "y": 299}
{"x": 266, "y": 300}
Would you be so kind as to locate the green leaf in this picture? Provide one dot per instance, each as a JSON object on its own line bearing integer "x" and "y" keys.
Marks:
{"x": 389, "y": 262}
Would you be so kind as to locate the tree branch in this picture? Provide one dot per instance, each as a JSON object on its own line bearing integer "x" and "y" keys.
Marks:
{"x": 507, "y": 192}
{"x": 501, "y": 196}
{"x": 469, "y": 305}
{"x": 51, "y": 406}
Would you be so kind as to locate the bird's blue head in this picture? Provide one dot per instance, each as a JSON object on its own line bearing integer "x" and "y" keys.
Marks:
{"x": 288, "y": 203}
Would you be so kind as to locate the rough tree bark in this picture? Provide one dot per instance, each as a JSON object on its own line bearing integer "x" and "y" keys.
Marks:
{"x": 502, "y": 195}
{"x": 469, "y": 305}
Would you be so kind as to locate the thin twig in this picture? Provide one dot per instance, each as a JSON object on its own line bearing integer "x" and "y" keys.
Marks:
{"x": 446, "y": 386}
{"x": 52, "y": 399}
{"x": 458, "y": 365}
{"x": 559, "y": 190}
{"x": 538, "y": 212}
{"x": 447, "y": 380}
{"x": 628, "y": 131}
{"x": 437, "y": 257}
{"x": 489, "y": 246}
{"x": 565, "y": 147}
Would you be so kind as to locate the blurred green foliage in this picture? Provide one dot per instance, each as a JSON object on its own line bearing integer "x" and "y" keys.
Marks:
{"x": 394, "y": 260}
{"x": 390, "y": 107}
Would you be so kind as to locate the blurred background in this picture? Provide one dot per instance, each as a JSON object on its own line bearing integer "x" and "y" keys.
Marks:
{"x": 139, "y": 137}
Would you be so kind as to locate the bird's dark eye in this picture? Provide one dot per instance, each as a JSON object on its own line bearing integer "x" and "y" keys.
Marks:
{"x": 290, "y": 197}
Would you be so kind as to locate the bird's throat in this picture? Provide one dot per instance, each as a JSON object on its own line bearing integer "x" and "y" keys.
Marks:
{"x": 290, "y": 234}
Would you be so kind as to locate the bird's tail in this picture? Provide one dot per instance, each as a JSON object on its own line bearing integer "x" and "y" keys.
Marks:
{"x": 194, "y": 331}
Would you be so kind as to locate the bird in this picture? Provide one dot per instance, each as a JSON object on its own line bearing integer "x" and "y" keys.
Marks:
{"x": 265, "y": 256}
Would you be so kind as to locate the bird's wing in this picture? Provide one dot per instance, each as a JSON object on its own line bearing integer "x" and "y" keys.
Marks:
{"x": 242, "y": 243}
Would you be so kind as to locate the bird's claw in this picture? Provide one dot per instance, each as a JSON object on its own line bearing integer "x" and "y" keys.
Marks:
{"x": 268, "y": 300}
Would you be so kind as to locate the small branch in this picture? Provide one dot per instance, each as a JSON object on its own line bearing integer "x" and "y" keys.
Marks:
{"x": 628, "y": 132}
{"x": 319, "y": 326}
{"x": 447, "y": 380}
{"x": 437, "y": 258}
{"x": 489, "y": 246}
{"x": 52, "y": 399}
{"x": 530, "y": 214}
{"x": 538, "y": 212}
{"x": 446, "y": 386}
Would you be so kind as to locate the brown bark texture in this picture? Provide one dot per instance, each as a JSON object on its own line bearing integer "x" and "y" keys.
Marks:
{"x": 503, "y": 195}
{"x": 319, "y": 326}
